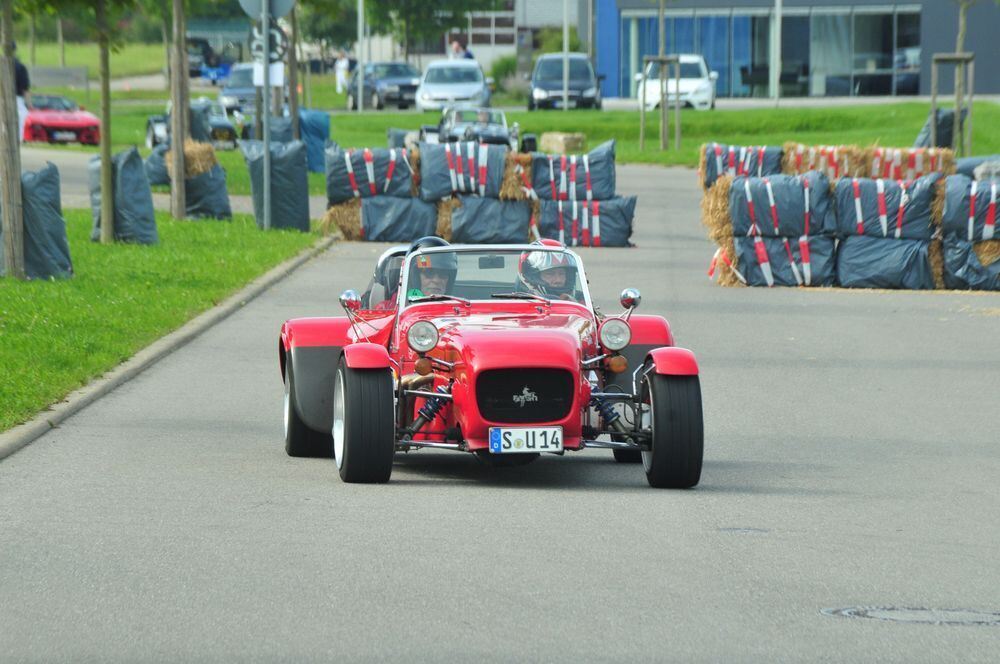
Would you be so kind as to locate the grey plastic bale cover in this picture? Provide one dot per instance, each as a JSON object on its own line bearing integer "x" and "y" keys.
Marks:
{"x": 616, "y": 220}
{"x": 945, "y": 129}
{"x": 967, "y": 165}
{"x": 46, "y": 248}
{"x": 396, "y": 137}
{"x": 751, "y": 165}
{"x": 601, "y": 162}
{"x": 955, "y": 220}
{"x": 964, "y": 270}
{"x": 789, "y": 202}
{"x": 916, "y": 213}
{"x": 435, "y": 177}
{"x": 314, "y": 129}
{"x": 490, "y": 221}
{"x": 281, "y": 130}
{"x": 156, "y": 165}
{"x": 391, "y": 219}
{"x": 134, "y": 216}
{"x": 875, "y": 262}
{"x": 207, "y": 196}
{"x": 822, "y": 261}
{"x": 338, "y": 182}
{"x": 289, "y": 183}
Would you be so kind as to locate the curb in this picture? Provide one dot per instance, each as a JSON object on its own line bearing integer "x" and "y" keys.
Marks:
{"x": 23, "y": 434}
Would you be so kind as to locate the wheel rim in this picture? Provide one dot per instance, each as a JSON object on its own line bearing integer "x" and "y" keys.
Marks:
{"x": 374, "y": 101}
{"x": 350, "y": 102}
{"x": 287, "y": 412}
{"x": 338, "y": 420}
{"x": 647, "y": 455}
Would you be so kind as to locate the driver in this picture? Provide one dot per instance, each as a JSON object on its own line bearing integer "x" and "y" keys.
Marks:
{"x": 432, "y": 274}
{"x": 483, "y": 116}
{"x": 549, "y": 273}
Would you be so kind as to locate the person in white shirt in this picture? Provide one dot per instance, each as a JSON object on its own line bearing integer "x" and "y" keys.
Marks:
{"x": 340, "y": 68}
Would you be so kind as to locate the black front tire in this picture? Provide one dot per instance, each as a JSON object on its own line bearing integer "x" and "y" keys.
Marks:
{"x": 363, "y": 424}
{"x": 675, "y": 456}
{"x": 300, "y": 439}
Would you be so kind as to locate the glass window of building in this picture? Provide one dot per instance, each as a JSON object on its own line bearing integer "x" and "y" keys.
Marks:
{"x": 873, "y": 53}
{"x": 794, "y": 79}
{"x": 907, "y": 59}
{"x": 713, "y": 44}
{"x": 830, "y": 55}
{"x": 751, "y": 56}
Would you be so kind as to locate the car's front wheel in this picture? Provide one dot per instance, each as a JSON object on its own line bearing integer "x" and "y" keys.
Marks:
{"x": 677, "y": 430}
{"x": 300, "y": 439}
{"x": 363, "y": 424}
{"x": 375, "y": 102}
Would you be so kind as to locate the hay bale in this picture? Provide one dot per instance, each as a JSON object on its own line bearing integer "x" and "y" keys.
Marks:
{"x": 445, "y": 209}
{"x": 557, "y": 142}
{"x": 936, "y": 254}
{"x": 415, "y": 179}
{"x": 702, "y": 159}
{"x": 512, "y": 186}
{"x": 199, "y": 158}
{"x": 346, "y": 216}
{"x": 727, "y": 277}
{"x": 851, "y": 160}
{"x": 937, "y": 203}
{"x": 944, "y": 161}
{"x": 715, "y": 210}
{"x": 987, "y": 252}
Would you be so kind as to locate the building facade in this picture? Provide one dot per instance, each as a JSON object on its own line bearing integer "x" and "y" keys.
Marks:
{"x": 828, "y": 47}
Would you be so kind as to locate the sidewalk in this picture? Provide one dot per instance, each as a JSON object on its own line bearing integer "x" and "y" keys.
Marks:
{"x": 744, "y": 103}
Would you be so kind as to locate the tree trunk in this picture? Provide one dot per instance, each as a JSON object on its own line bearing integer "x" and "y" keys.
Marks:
{"x": 165, "y": 34}
{"x": 178, "y": 113}
{"x": 62, "y": 44}
{"x": 293, "y": 76}
{"x": 10, "y": 153}
{"x": 107, "y": 191}
{"x": 956, "y": 135}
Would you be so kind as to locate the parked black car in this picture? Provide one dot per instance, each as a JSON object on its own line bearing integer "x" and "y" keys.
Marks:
{"x": 547, "y": 83}
{"x": 386, "y": 84}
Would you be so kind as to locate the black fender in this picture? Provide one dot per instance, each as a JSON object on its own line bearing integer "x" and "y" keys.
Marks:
{"x": 314, "y": 345}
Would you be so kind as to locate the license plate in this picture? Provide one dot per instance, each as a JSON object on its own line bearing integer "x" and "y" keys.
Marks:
{"x": 409, "y": 95}
{"x": 525, "y": 440}
{"x": 570, "y": 104}
{"x": 64, "y": 135}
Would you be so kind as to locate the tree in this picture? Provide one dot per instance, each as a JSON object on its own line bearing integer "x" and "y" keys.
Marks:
{"x": 963, "y": 10}
{"x": 330, "y": 22}
{"x": 10, "y": 151}
{"x": 411, "y": 21}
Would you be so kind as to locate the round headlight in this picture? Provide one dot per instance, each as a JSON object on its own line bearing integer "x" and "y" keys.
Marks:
{"x": 422, "y": 336}
{"x": 615, "y": 334}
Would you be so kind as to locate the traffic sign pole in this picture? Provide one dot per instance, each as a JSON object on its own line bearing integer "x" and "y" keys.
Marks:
{"x": 266, "y": 23}
{"x": 360, "y": 94}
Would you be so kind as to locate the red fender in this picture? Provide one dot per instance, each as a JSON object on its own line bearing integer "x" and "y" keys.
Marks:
{"x": 673, "y": 361}
{"x": 366, "y": 356}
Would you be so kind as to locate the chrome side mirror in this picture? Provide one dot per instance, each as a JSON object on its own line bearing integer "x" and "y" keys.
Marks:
{"x": 350, "y": 301}
{"x": 630, "y": 298}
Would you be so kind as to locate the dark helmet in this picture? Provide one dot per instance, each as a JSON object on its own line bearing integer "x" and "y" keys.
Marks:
{"x": 444, "y": 261}
{"x": 534, "y": 263}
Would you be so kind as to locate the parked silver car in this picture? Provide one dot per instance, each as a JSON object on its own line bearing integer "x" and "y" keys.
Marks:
{"x": 449, "y": 81}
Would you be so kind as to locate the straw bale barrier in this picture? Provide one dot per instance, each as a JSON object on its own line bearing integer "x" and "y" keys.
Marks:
{"x": 907, "y": 163}
{"x": 346, "y": 216}
{"x": 445, "y": 209}
{"x": 988, "y": 252}
{"x": 835, "y": 161}
{"x": 199, "y": 158}
{"x": 516, "y": 177}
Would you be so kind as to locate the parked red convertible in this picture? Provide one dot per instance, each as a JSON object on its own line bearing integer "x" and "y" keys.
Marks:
{"x": 494, "y": 350}
{"x": 56, "y": 119}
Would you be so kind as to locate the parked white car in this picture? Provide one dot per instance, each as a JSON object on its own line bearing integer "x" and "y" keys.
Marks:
{"x": 697, "y": 84}
{"x": 447, "y": 82}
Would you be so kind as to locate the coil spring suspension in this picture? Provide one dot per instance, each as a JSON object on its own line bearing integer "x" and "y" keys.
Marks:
{"x": 608, "y": 413}
{"x": 432, "y": 407}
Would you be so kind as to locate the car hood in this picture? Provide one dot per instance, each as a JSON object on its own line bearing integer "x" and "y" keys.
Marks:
{"x": 239, "y": 92}
{"x": 74, "y": 117}
{"x": 491, "y": 341}
{"x": 687, "y": 85}
{"x": 444, "y": 90}
{"x": 574, "y": 84}
{"x": 398, "y": 80}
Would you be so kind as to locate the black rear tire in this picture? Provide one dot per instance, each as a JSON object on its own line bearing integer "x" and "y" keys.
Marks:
{"x": 675, "y": 457}
{"x": 628, "y": 456}
{"x": 363, "y": 424}
{"x": 300, "y": 439}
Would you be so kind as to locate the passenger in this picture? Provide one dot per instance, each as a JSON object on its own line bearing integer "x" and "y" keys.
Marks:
{"x": 550, "y": 274}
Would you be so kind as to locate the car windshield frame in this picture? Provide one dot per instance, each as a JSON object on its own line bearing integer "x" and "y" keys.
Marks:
{"x": 497, "y": 117}
{"x": 382, "y": 70}
{"x": 653, "y": 71}
{"x": 403, "y": 302}
{"x": 54, "y": 103}
{"x": 557, "y": 69}
{"x": 248, "y": 76}
{"x": 463, "y": 72}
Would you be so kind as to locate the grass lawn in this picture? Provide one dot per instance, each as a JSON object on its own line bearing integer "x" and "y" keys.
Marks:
{"x": 58, "y": 335}
{"x": 132, "y": 60}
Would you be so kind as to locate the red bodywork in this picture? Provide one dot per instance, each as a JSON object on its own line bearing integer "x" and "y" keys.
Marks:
{"x": 481, "y": 336}
{"x": 51, "y": 126}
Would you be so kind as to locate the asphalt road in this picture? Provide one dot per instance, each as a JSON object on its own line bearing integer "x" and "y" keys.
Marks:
{"x": 851, "y": 459}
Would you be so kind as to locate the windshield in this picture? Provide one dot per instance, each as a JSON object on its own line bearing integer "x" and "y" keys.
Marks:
{"x": 688, "y": 70}
{"x": 454, "y": 75}
{"x": 551, "y": 69}
{"x": 395, "y": 71}
{"x": 490, "y": 274}
{"x": 482, "y": 116}
{"x": 241, "y": 78}
{"x": 49, "y": 103}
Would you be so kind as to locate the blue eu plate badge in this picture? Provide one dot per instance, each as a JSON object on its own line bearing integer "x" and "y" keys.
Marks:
{"x": 495, "y": 441}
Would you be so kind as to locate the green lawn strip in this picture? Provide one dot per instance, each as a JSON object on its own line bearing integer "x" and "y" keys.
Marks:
{"x": 59, "y": 335}
{"x": 133, "y": 59}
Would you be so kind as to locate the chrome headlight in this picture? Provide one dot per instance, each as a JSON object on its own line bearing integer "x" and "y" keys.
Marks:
{"x": 422, "y": 336}
{"x": 538, "y": 93}
{"x": 615, "y": 334}
{"x": 426, "y": 96}
{"x": 590, "y": 92}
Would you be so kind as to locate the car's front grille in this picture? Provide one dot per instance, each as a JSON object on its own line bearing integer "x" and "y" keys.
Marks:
{"x": 519, "y": 396}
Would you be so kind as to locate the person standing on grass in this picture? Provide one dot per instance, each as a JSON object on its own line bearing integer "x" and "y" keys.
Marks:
{"x": 340, "y": 67}
{"x": 22, "y": 86}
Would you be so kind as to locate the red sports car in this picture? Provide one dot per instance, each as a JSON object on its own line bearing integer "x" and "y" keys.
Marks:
{"x": 55, "y": 119}
{"x": 494, "y": 350}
